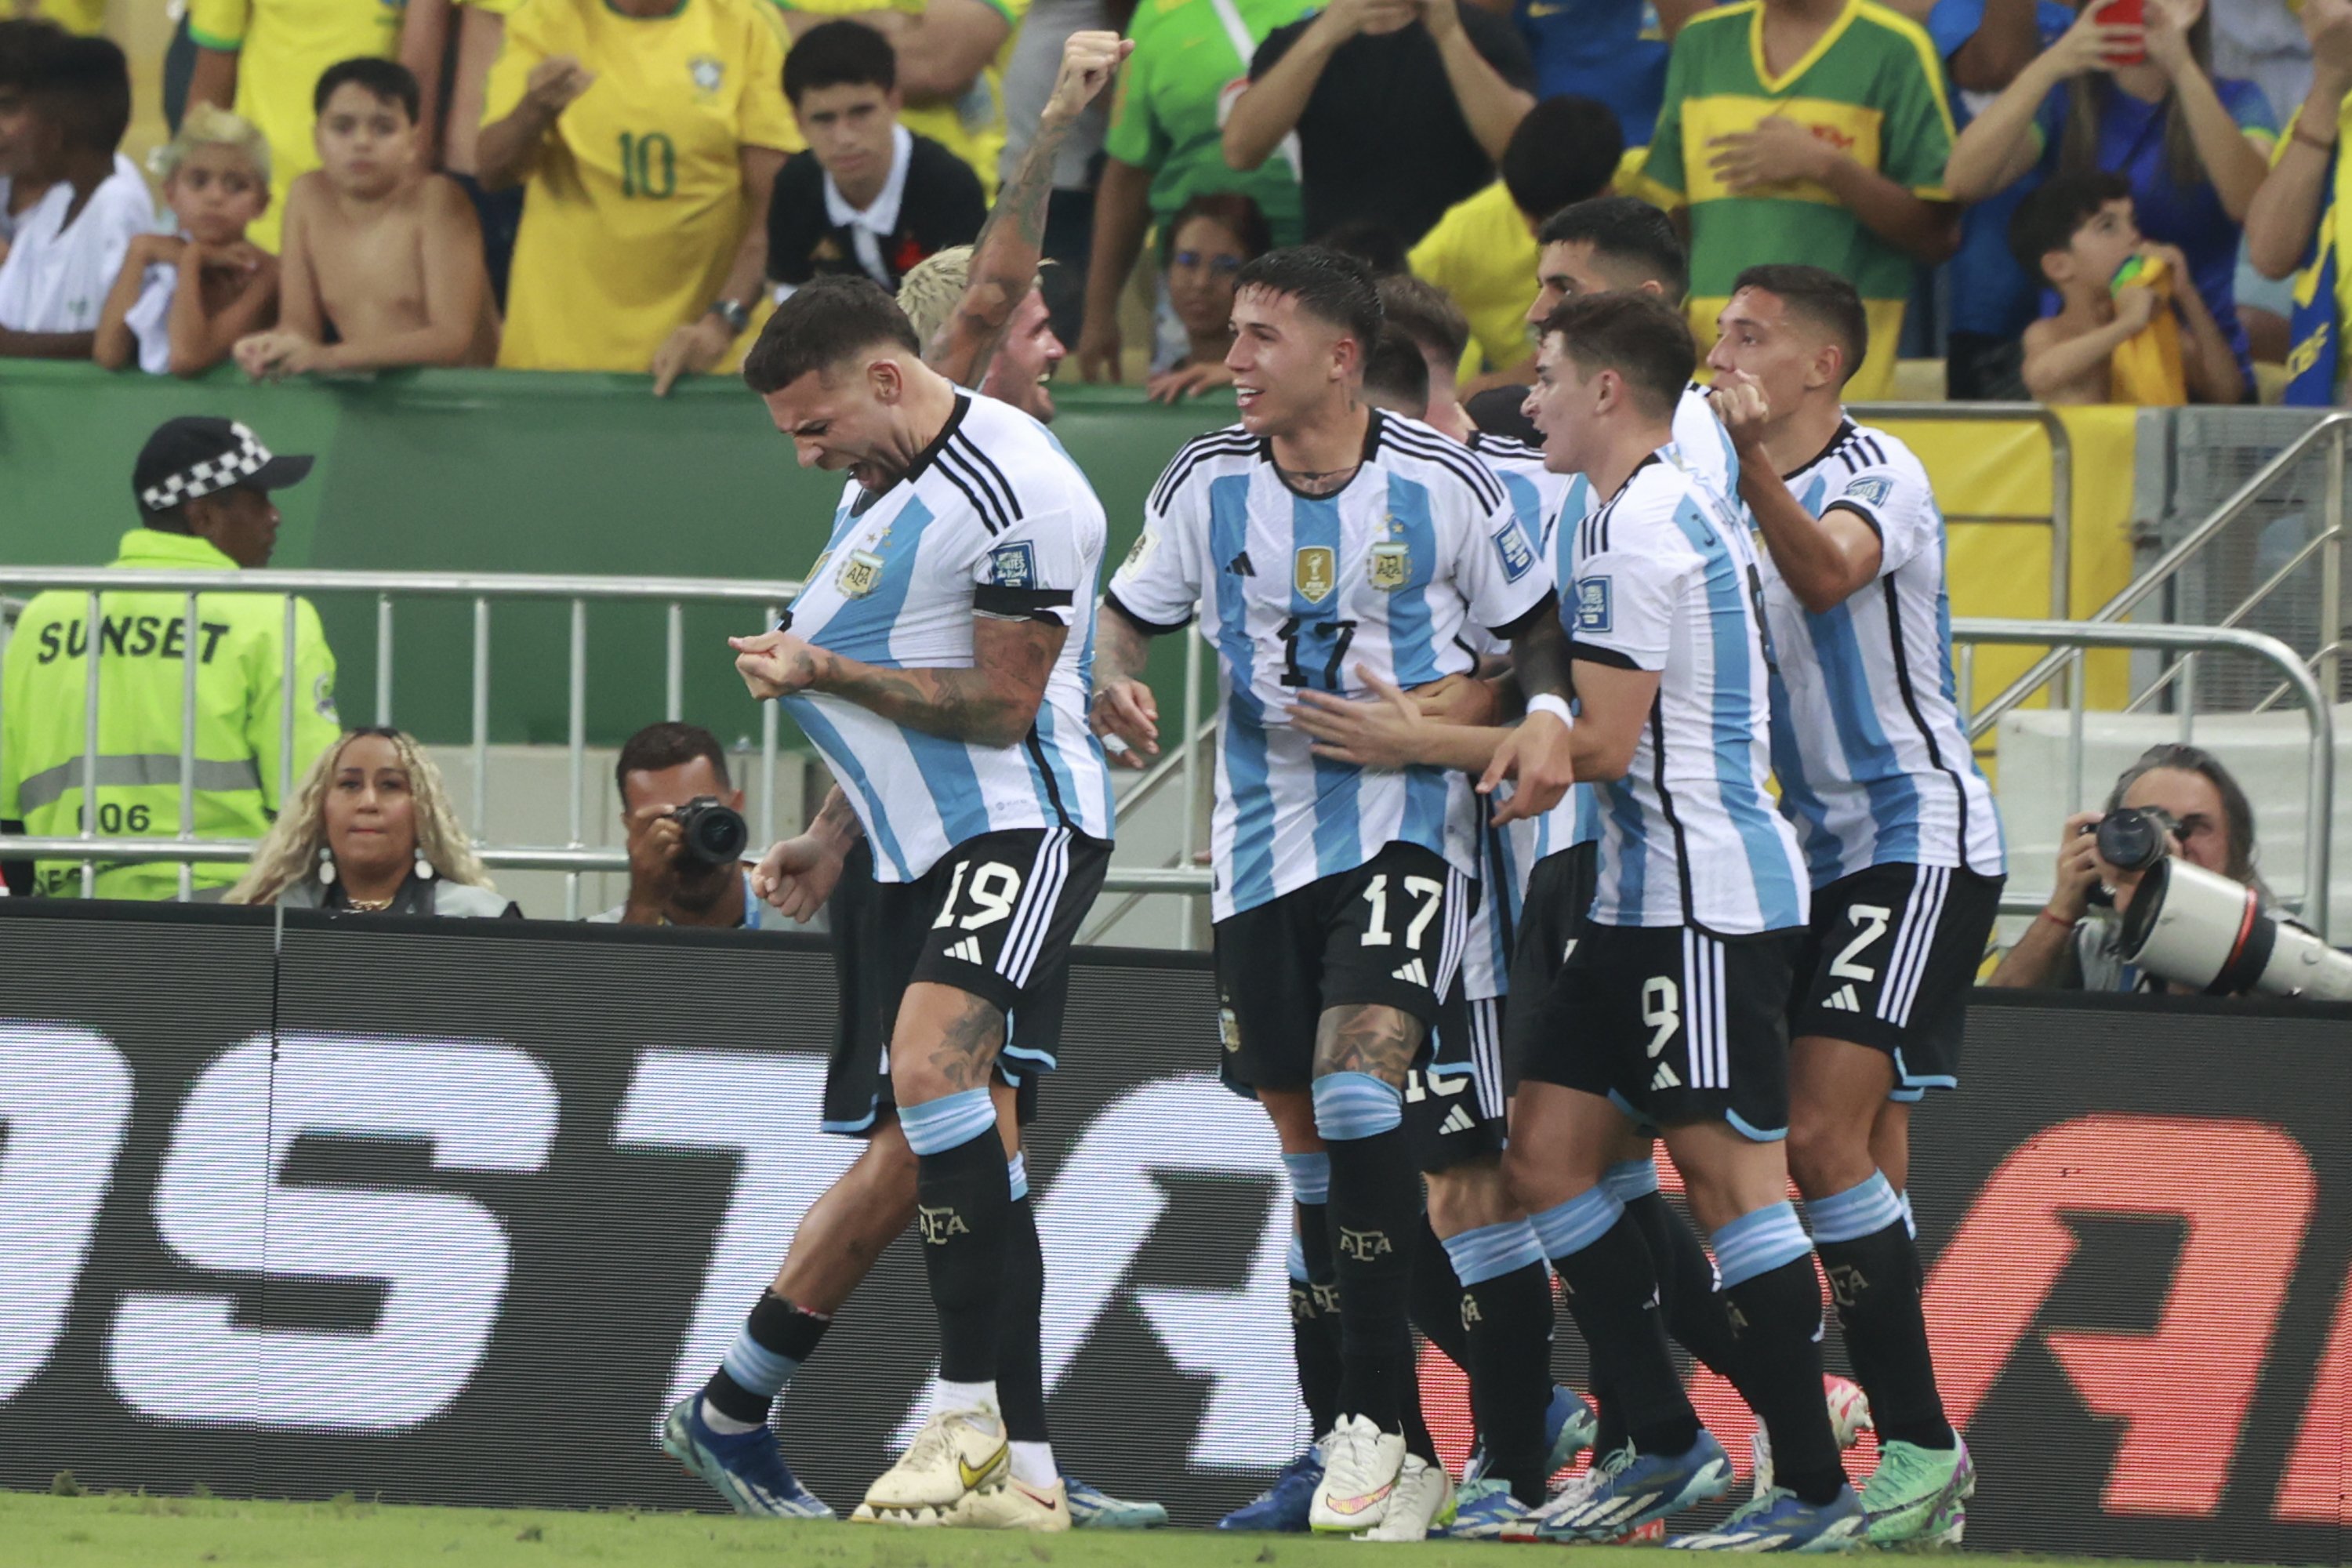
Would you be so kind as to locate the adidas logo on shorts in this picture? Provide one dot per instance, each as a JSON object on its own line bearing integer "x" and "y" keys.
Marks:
{"x": 1842, "y": 1000}
{"x": 968, "y": 950}
{"x": 1413, "y": 972}
{"x": 1664, "y": 1078}
{"x": 1457, "y": 1120}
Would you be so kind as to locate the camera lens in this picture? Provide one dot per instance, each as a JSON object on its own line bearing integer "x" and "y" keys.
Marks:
{"x": 712, "y": 833}
{"x": 2132, "y": 839}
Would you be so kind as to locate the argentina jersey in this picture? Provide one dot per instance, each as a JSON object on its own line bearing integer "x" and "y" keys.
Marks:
{"x": 992, "y": 520}
{"x": 1393, "y": 573}
{"x": 1666, "y": 580}
{"x": 1874, "y": 765}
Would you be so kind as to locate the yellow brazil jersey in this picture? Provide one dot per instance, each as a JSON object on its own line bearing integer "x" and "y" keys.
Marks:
{"x": 87, "y": 18}
{"x": 283, "y": 46}
{"x": 972, "y": 127}
{"x": 1482, "y": 254}
{"x": 635, "y": 204}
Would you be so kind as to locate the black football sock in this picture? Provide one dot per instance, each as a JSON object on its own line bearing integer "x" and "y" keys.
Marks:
{"x": 963, "y": 1199}
{"x": 1875, "y": 1277}
{"x": 1020, "y": 1362}
{"x": 1686, "y": 1277}
{"x": 1437, "y": 1298}
{"x": 1315, "y": 1291}
{"x": 1611, "y": 1290}
{"x": 1375, "y": 1216}
{"x": 1506, "y": 1308}
{"x": 774, "y": 1342}
{"x": 1774, "y": 1305}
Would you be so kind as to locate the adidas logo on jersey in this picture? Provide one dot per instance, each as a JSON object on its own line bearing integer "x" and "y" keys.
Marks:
{"x": 967, "y": 950}
{"x": 1842, "y": 1000}
{"x": 1413, "y": 972}
{"x": 1459, "y": 1120}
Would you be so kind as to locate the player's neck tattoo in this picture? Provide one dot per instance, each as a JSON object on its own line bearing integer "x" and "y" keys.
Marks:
{"x": 1317, "y": 481}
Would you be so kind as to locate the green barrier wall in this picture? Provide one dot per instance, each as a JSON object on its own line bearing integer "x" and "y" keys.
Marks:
{"x": 509, "y": 471}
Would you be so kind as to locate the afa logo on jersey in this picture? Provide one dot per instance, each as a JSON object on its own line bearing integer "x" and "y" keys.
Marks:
{"x": 1013, "y": 565}
{"x": 861, "y": 572}
{"x": 1511, "y": 547}
{"x": 1314, "y": 571}
{"x": 1871, "y": 489}
{"x": 1592, "y": 606}
{"x": 1390, "y": 566}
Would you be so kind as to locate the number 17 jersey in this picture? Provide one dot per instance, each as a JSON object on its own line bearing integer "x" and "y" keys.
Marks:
{"x": 1393, "y": 573}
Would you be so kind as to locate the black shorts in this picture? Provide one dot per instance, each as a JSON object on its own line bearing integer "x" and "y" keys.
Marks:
{"x": 996, "y": 917}
{"x": 1390, "y": 933}
{"x": 1551, "y": 917}
{"x": 1891, "y": 955}
{"x": 1453, "y": 1105}
{"x": 1673, "y": 1025}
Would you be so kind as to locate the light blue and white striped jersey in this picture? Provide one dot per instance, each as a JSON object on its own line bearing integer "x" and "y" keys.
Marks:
{"x": 1666, "y": 580}
{"x": 993, "y": 520}
{"x": 1874, "y": 767}
{"x": 1295, "y": 592}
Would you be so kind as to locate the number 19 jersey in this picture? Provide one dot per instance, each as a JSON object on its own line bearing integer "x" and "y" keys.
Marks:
{"x": 1391, "y": 572}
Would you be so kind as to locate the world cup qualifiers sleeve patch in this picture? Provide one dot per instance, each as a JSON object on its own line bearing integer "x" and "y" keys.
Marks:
{"x": 1013, "y": 565}
{"x": 1511, "y": 547}
{"x": 1592, "y": 606}
{"x": 1870, "y": 489}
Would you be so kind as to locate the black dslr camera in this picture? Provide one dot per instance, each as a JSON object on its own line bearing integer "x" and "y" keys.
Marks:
{"x": 710, "y": 832}
{"x": 2132, "y": 838}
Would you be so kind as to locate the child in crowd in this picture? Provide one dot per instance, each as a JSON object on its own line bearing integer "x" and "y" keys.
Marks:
{"x": 385, "y": 259}
{"x": 59, "y": 126}
{"x": 182, "y": 301}
{"x": 2078, "y": 232}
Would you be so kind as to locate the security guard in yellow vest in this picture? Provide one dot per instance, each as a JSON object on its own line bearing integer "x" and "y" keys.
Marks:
{"x": 204, "y": 491}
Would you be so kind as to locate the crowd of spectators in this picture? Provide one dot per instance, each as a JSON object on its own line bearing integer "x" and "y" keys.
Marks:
{"x": 2078, "y": 206}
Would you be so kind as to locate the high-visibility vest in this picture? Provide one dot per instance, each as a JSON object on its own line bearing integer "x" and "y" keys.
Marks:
{"x": 239, "y": 753}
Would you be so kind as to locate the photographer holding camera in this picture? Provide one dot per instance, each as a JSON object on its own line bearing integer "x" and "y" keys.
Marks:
{"x": 686, "y": 833}
{"x": 2176, "y": 800}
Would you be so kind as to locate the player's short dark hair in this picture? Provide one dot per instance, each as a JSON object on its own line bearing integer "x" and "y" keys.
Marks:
{"x": 386, "y": 81}
{"x": 1820, "y": 297}
{"x": 82, "y": 85}
{"x": 658, "y": 748}
{"x": 1369, "y": 241}
{"x": 1330, "y": 286}
{"x": 840, "y": 54}
{"x": 26, "y": 44}
{"x": 1566, "y": 149}
{"x": 828, "y": 319}
{"x": 1425, "y": 314}
{"x": 1638, "y": 335}
{"x": 1627, "y": 231}
{"x": 1240, "y": 217}
{"x": 1398, "y": 373}
{"x": 2054, "y": 212}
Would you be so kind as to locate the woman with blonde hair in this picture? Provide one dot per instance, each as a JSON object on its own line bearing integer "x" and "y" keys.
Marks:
{"x": 372, "y": 831}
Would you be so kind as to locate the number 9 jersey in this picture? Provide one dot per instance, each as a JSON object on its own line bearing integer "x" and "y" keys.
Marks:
{"x": 1393, "y": 573}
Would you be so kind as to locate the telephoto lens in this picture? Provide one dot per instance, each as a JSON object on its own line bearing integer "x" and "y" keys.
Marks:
{"x": 711, "y": 832}
{"x": 2135, "y": 837}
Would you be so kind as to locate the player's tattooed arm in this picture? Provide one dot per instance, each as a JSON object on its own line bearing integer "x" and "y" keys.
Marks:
{"x": 1004, "y": 262}
{"x": 1124, "y": 709}
{"x": 993, "y": 703}
{"x": 1367, "y": 1037}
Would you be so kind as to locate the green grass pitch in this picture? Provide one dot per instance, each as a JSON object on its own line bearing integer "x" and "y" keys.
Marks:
{"x": 166, "y": 1533}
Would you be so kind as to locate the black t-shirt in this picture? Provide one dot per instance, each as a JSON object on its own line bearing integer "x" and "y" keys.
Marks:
{"x": 1382, "y": 139}
{"x": 942, "y": 206}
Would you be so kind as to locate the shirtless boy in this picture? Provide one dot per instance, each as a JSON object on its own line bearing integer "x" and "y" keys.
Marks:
{"x": 383, "y": 256}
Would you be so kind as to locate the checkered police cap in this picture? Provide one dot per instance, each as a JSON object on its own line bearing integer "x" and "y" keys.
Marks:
{"x": 190, "y": 457}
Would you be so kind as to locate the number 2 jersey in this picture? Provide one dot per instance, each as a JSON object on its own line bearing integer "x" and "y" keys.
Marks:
{"x": 1666, "y": 580}
{"x": 1395, "y": 572}
{"x": 993, "y": 520}
{"x": 1873, "y": 764}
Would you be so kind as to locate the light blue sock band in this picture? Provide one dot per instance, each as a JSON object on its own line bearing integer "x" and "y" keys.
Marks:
{"x": 1493, "y": 1250}
{"x": 1631, "y": 1179}
{"x": 1016, "y": 1175}
{"x": 1910, "y": 1223}
{"x": 1569, "y": 1228}
{"x": 756, "y": 1368}
{"x": 1296, "y": 1260}
{"x": 1310, "y": 1176}
{"x": 939, "y": 1125}
{"x": 1351, "y": 1105}
{"x": 1757, "y": 1242}
{"x": 1863, "y": 1209}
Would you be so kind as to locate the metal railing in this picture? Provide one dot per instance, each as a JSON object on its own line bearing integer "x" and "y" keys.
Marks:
{"x": 2319, "y": 778}
{"x": 2060, "y": 518}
